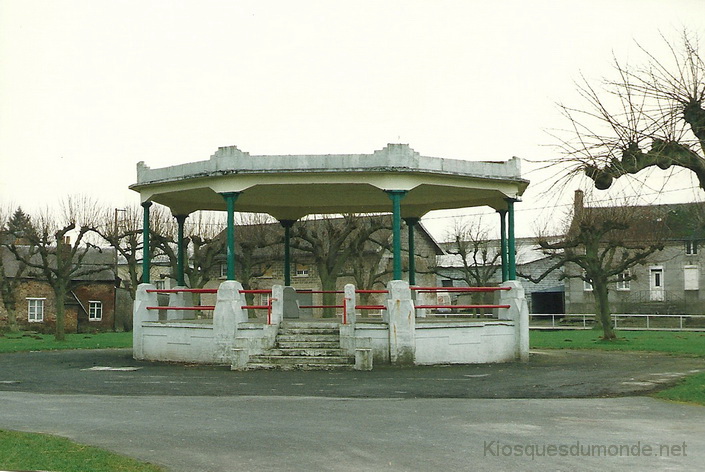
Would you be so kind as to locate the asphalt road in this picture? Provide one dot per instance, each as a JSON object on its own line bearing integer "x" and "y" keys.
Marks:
{"x": 562, "y": 410}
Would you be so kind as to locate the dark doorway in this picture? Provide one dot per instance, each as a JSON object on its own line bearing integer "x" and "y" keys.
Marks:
{"x": 549, "y": 303}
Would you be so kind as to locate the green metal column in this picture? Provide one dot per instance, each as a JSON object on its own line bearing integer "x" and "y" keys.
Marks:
{"x": 180, "y": 279}
{"x": 396, "y": 196}
{"x": 511, "y": 244}
{"x": 287, "y": 224}
{"x": 503, "y": 243}
{"x": 145, "y": 243}
{"x": 230, "y": 199}
{"x": 411, "y": 223}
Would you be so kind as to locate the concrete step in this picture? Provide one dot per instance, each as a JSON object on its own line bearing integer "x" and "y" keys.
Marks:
{"x": 289, "y": 331}
{"x": 310, "y": 324}
{"x": 303, "y": 366}
{"x": 294, "y": 360}
{"x": 306, "y": 351}
{"x": 326, "y": 338}
{"x": 299, "y": 344}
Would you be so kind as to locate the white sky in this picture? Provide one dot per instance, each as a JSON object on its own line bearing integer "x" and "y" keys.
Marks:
{"x": 89, "y": 88}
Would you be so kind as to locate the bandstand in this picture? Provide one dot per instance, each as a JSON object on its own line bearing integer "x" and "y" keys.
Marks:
{"x": 395, "y": 180}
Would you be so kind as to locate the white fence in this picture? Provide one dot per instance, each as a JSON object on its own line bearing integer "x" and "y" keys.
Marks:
{"x": 626, "y": 322}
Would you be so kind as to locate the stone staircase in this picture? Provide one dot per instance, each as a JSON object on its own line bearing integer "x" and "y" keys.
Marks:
{"x": 304, "y": 345}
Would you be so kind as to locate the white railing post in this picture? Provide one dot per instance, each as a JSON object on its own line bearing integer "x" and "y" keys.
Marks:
{"x": 277, "y": 302}
{"x": 227, "y": 315}
{"x": 402, "y": 323}
{"x": 140, "y": 314}
{"x": 518, "y": 312}
{"x": 350, "y": 300}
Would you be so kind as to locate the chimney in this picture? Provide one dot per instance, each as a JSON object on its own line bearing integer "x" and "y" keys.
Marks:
{"x": 578, "y": 202}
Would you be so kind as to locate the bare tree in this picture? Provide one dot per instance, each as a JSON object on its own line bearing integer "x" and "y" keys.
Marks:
{"x": 477, "y": 256}
{"x": 55, "y": 249}
{"x": 604, "y": 243}
{"x": 647, "y": 115}
{"x": 122, "y": 229}
{"x": 331, "y": 242}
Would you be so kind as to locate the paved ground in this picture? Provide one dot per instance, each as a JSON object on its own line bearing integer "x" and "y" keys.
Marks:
{"x": 531, "y": 416}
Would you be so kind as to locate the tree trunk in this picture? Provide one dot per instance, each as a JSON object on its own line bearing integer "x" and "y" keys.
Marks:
{"x": 12, "y": 320}
{"x": 602, "y": 308}
{"x": 328, "y": 285}
{"x": 60, "y": 294}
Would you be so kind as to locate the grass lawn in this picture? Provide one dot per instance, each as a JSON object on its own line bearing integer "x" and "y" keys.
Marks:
{"x": 684, "y": 343}
{"x": 689, "y": 390}
{"x": 24, "y": 341}
{"x": 32, "y": 451}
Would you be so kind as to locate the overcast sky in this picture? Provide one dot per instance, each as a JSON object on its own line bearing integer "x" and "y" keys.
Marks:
{"x": 90, "y": 88}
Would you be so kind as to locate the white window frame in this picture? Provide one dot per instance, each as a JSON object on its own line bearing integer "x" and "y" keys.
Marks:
{"x": 223, "y": 270}
{"x": 35, "y": 310}
{"x": 688, "y": 282}
{"x": 691, "y": 247}
{"x": 302, "y": 270}
{"x": 624, "y": 282}
{"x": 95, "y": 310}
{"x": 587, "y": 286}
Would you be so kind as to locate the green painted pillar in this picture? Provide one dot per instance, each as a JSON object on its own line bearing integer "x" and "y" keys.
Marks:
{"x": 503, "y": 243}
{"x": 511, "y": 243}
{"x": 230, "y": 198}
{"x": 411, "y": 224}
{"x": 287, "y": 224}
{"x": 180, "y": 279}
{"x": 146, "y": 263}
{"x": 396, "y": 196}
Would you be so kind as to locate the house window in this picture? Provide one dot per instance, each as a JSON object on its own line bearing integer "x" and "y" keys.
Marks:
{"x": 691, "y": 278}
{"x": 159, "y": 284}
{"x": 301, "y": 270}
{"x": 691, "y": 248}
{"x": 95, "y": 311}
{"x": 223, "y": 271}
{"x": 587, "y": 286}
{"x": 264, "y": 299}
{"x": 35, "y": 310}
{"x": 624, "y": 281}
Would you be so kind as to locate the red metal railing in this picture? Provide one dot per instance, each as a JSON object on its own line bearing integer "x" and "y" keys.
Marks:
{"x": 268, "y": 306}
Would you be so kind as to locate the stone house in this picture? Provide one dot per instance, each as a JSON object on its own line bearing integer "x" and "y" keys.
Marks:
{"x": 89, "y": 307}
{"x": 669, "y": 281}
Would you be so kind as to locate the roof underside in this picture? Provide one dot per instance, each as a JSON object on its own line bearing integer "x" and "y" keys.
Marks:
{"x": 289, "y": 187}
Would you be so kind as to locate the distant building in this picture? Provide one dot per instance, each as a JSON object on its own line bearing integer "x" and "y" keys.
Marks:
{"x": 669, "y": 281}
{"x": 89, "y": 307}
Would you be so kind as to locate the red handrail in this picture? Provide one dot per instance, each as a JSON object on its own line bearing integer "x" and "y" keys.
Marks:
{"x": 183, "y": 290}
{"x": 459, "y": 289}
{"x": 191, "y": 308}
{"x": 461, "y": 307}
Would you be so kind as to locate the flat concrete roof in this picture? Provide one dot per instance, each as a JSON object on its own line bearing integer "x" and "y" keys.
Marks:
{"x": 292, "y": 186}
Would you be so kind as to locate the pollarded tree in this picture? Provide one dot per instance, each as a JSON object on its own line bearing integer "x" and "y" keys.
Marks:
{"x": 56, "y": 249}
{"x": 604, "y": 243}
{"x": 331, "y": 242}
{"x": 122, "y": 229}
{"x": 477, "y": 259}
{"x": 647, "y": 115}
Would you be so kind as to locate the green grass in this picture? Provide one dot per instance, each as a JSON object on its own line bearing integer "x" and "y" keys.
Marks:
{"x": 32, "y": 451}
{"x": 23, "y": 341}
{"x": 689, "y": 390}
{"x": 684, "y": 343}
